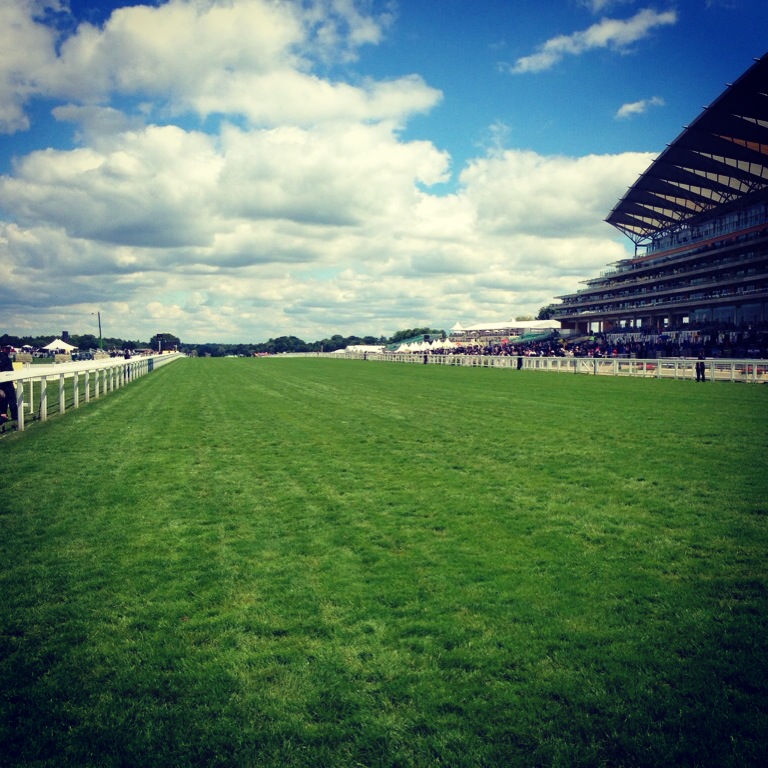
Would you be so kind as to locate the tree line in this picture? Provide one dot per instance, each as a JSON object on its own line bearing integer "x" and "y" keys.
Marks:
{"x": 88, "y": 342}
{"x": 283, "y": 344}
{"x": 166, "y": 341}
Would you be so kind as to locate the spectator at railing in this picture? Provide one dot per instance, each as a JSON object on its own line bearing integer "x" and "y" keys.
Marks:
{"x": 713, "y": 339}
{"x": 7, "y": 389}
{"x": 701, "y": 368}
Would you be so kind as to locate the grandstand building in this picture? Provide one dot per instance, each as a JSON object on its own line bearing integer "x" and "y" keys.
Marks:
{"x": 698, "y": 217}
{"x": 495, "y": 333}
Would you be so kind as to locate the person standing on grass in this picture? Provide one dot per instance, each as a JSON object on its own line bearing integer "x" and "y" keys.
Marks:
{"x": 700, "y": 368}
{"x": 7, "y": 388}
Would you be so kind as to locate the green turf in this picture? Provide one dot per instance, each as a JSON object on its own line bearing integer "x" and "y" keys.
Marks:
{"x": 292, "y": 562}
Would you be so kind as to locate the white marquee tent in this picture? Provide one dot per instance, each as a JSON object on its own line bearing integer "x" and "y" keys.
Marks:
{"x": 360, "y": 348}
{"x": 57, "y": 345}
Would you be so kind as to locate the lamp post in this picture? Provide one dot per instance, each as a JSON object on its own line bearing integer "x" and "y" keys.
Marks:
{"x": 98, "y": 314}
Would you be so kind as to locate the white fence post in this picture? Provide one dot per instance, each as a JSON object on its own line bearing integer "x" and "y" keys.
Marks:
{"x": 751, "y": 371}
{"x": 20, "y": 402}
{"x": 31, "y": 398}
{"x": 43, "y": 398}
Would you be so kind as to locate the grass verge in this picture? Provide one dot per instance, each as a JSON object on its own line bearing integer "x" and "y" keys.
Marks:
{"x": 334, "y": 563}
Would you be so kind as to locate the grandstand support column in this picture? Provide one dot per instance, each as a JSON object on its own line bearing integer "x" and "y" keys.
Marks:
{"x": 677, "y": 319}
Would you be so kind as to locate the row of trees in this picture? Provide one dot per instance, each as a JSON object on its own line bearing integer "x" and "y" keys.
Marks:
{"x": 283, "y": 344}
{"x": 87, "y": 341}
{"x": 167, "y": 341}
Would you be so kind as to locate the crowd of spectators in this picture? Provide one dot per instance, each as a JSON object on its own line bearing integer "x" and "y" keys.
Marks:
{"x": 714, "y": 340}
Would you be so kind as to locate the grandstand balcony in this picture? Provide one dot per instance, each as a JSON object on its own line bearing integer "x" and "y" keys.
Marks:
{"x": 727, "y": 279}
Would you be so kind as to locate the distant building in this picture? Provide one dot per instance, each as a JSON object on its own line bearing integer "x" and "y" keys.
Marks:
{"x": 372, "y": 348}
{"x": 699, "y": 220}
{"x": 495, "y": 332}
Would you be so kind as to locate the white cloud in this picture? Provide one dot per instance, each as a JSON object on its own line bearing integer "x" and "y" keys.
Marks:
{"x": 634, "y": 108}
{"x": 598, "y": 6}
{"x": 27, "y": 51}
{"x": 523, "y": 192}
{"x": 251, "y": 58}
{"x": 165, "y": 187}
{"x": 295, "y": 97}
{"x": 607, "y": 33}
{"x": 150, "y": 189}
{"x": 245, "y": 262}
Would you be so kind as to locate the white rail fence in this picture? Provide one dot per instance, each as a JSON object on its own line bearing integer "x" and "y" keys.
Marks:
{"x": 749, "y": 371}
{"x": 42, "y": 390}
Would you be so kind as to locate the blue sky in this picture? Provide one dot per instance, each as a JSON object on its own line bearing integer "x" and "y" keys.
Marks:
{"x": 234, "y": 171}
{"x": 469, "y": 50}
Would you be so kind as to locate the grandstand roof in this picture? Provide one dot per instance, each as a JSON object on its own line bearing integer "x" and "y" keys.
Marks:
{"x": 719, "y": 158}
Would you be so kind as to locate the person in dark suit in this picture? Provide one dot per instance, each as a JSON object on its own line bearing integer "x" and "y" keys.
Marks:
{"x": 7, "y": 388}
{"x": 701, "y": 368}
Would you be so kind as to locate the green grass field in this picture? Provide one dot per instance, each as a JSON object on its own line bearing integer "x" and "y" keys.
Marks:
{"x": 297, "y": 562}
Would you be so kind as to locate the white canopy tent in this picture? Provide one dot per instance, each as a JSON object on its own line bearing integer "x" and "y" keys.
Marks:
{"x": 57, "y": 345}
{"x": 373, "y": 348}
